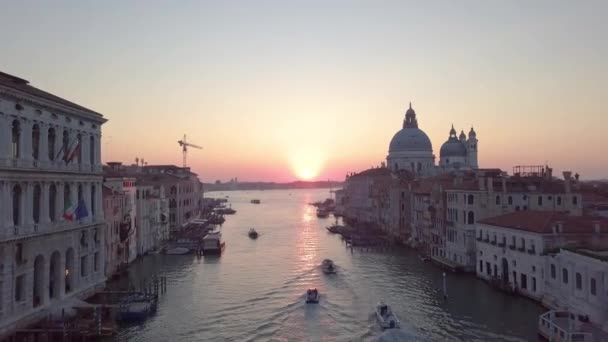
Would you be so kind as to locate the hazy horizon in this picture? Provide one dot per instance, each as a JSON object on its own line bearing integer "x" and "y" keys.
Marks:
{"x": 278, "y": 91}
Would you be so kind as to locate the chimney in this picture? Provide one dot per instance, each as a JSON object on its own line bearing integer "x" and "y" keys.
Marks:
{"x": 567, "y": 181}
{"x": 490, "y": 184}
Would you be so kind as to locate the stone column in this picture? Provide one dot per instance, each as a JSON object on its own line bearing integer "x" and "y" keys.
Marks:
{"x": 97, "y": 149}
{"x": 84, "y": 151}
{"x": 44, "y": 205}
{"x": 86, "y": 194}
{"x": 7, "y": 209}
{"x": 61, "y": 280}
{"x": 59, "y": 203}
{"x": 28, "y": 201}
{"x": 5, "y": 137}
{"x": 99, "y": 201}
{"x": 43, "y": 144}
{"x": 58, "y": 153}
{"x": 74, "y": 193}
{"x": 25, "y": 140}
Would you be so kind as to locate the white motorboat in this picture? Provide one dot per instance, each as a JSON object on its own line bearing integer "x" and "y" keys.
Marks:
{"x": 328, "y": 266}
{"x": 312, "y": 296}
{"x": 177, "y": 251}
{"x": 386, "y": 318}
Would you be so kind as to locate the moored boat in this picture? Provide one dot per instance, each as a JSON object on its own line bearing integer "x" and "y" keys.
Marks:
{"x": 255, "y": 201}
{"x": 253, "y": 233}
{"x": 385, "y": 316}
{"x": 322, "y": 213}
{"x": 212, "y": 243}
{"x": 312, "y": 296}
{"x": 177, "y": 251}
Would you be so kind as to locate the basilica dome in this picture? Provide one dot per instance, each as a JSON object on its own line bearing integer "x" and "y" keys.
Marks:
{"x": 453, "y": 147}
{"x": 410, "y": 139}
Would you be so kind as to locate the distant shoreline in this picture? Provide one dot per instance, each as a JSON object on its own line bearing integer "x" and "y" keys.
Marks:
{"x": 208, "y": 187}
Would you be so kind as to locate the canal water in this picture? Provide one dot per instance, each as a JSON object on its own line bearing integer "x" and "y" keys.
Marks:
{"x": 256, "y": 290}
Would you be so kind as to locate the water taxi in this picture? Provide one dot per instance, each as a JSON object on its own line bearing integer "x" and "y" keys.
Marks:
{"x": 253, "y": 233}
{"x": 385, "y": 316}
{"x": 328, "y": 266}
{"x": 312, "y": 296}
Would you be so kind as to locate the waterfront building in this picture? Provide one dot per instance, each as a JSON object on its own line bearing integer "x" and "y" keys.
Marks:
{"x": 152, "y": 223}
{"x": 51, "y": 216}
{"x": 511, "y": 247}
{"x": 365, "y": 195}
{"x": 118, "y": 229}
{"x": 486, "y": 193}
{"x": 577, "y": 281}
{"x": 125, "y": 186}
{"x": 181, "y": 188}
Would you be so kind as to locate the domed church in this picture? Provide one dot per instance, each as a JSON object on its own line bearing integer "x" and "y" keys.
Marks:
{"x": 412, "y": 150}
{"x": 459, "y": 152}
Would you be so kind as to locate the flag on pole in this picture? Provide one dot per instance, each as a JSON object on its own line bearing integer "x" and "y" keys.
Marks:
{"x": 68, "y": 210}
{"x": 81, "y": 210}
{"x": 75, "y": 151}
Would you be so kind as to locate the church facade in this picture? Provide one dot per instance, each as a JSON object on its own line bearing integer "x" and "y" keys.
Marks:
{"x": 411, "y": 150}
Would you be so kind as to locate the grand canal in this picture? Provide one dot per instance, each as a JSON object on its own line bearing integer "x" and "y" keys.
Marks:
{"x": 255, "y": 290}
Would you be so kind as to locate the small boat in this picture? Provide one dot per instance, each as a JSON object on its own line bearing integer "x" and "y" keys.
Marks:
{"x": 424, "y": 258}
{"x": 328, "y": 267}
{"x": 312, "y": 296}
{"x": 255, "y": 201}
{"x": 386, "y": 317}
{"x": 253, "y": 233}
{"x": 177, "y": 251}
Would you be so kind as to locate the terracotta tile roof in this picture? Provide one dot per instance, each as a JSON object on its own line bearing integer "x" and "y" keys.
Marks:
{"x": 543, "y": 222}
{"x": 22, "y": 85}
{"x": 379, "y": 171}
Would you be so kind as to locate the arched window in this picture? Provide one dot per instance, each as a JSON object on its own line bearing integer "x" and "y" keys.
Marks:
{"x": 575, "y": 200}
{"x": 52, "y": 204}
{"x": 15, "y": 138}
{"x": 36, "y": 142}
{"x": 51, "y": 143}
{"x": 36, "y": 204}
{"x": 17, "y": 204}
{"x": 579, "y": 281}
{"x": 65, "y": 145}
{"x": 173, "y": 190}
{"x": 540, "y": 200}
{"x": 497, "y": 200}
{"x": 92, "y": 150}
{"x": 553, "y": 272}
{"x": 559, "y": 200}
{"x": 471, "y": 217}
{"x": 471, "y": 199}
{"x": 510, "y": 200}
{"x": 93, "y": 200}
{"x": 565, "y": 276}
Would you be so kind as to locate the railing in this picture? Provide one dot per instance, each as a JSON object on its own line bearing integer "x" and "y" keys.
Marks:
{"x": 51, "y": 165}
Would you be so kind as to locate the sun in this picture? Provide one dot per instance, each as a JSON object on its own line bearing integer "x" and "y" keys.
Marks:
{"x": 306, "y": 162}
{"x": 306, "y": 173}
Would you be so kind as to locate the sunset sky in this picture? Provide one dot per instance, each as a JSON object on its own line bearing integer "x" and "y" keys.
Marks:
{"x": 280, "y": 90}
